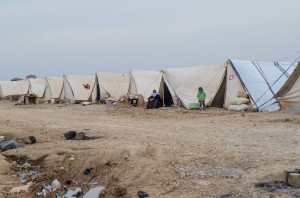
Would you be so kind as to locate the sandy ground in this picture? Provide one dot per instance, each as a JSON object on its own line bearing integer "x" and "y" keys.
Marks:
{"x": 168, "y": 152}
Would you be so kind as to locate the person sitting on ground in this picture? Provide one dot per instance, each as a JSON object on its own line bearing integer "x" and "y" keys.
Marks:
{"x": 154, "y": 101}
{"x": 201, "y": 98}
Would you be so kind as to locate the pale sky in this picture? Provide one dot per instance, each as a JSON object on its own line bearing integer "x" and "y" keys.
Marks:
{"x": 81, "y": 37}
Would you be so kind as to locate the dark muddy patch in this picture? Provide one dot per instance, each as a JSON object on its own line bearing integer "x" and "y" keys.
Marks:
{"x": 278, "y": 186}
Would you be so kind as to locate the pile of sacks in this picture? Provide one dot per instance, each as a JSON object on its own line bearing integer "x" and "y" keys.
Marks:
{"x": 240, "y": 103}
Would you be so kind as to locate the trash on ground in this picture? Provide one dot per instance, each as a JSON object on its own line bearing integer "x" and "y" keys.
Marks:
{"x": 142, "y": 194}
{"x": 86, "y": 103}
{"x": 77, "y": 192}
{"x": 55, "y": 184}
{"x": 25, "y": 165}
{"x": 292, "y": 177}
{"x": 8, "y": 144}
{"x": 73, "y": 135}
{"x": 278, "y": 186}
{"x": 2, "y": 138}
{"x": 45, "y": 190}
{"x": 71, "y": 193}
{"x": 72, "y": 159}
{"x": 29, "y": 140}
{"x": 87, "y": 171}
{"x": 70, "y": 135}
{"x": 71, "y": 182}
{"x": 93, "y": 192}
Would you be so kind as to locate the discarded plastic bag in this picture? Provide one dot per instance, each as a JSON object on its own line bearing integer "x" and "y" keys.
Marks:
{"x": 8, "y": 144}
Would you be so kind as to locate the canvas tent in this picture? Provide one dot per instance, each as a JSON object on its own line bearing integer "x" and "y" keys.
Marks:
{"x": 79, "y": 88}
{"x": 261, "y": 80}
{"x": 54, "y": 88}
{"x": 289, "y": 94}
{"x": 37, "y": 87}
{"x": 13, "y": 88}
{"x": 185, "y": 81}
{"x": 144, "y": 82}
{"x": 112, "y": 85}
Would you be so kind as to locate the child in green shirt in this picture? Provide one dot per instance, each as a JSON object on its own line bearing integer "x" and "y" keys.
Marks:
{"x": 201, "y": 98}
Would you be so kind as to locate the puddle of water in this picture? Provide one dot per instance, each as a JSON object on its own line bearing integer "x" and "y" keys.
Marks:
{"x": 92, "y": 193}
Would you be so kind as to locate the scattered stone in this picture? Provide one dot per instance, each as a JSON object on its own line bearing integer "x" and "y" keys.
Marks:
{"x": 29, "y": 140}
{"x": 70, "y": 135}
{"x": 142, "y": 194}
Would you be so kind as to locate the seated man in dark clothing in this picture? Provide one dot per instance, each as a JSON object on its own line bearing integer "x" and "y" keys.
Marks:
{"x": 154, "y": 101}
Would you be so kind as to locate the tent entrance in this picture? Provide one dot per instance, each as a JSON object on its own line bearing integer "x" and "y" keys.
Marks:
{"x": 166, "y": 95}
{"x": 219, "y": 99}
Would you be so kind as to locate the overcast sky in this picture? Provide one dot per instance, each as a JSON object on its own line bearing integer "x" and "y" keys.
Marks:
{"x": 56, "y": 37}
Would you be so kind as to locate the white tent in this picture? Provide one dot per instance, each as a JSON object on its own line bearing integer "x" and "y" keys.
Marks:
{"x": 144, "y": 82}
{"x": 261, "y": 80}
{"x": 289, "y": 94}
{"x": 80, "y": 88}
{"x": 54, "y": 88}
{"x": 113, "y": 85}
{"x": 13, "y": 88}
{"x": 37, "y": 87}
{"x": 184, "y": 82}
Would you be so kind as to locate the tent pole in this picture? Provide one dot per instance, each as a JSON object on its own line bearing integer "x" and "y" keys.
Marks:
{"x": 163, "y": 89}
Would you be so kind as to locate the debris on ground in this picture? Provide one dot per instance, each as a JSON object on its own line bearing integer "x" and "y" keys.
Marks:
{"x": 73, "y": 135}
{"x": 87, "y": 171}
{"x": 70, "y": 135}
{"x": 86, "y": 103}
{"x": 142, "y": 194}
{"x": 8, "y": 144}
{"x": 55, "y": 184}
{"x": 29, "y": 140}
{"x": 278, "y": 186}
{"x": 292, "y": 177}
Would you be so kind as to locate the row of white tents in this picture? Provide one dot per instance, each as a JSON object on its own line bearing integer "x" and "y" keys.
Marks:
{"x": 270, "y": 85}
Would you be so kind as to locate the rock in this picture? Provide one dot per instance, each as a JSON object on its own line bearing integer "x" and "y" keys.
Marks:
{"x": 80, "y": 136}
{"x": 294, "y": 180}
{"x": 29, "y": 140}
{"x": 70, "y": 135}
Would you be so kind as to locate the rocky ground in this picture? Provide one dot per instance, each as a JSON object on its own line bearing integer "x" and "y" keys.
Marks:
{"x": 167, "y": 152}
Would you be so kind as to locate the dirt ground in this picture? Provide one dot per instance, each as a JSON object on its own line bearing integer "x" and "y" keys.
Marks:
{"x": 167, "y": 152}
